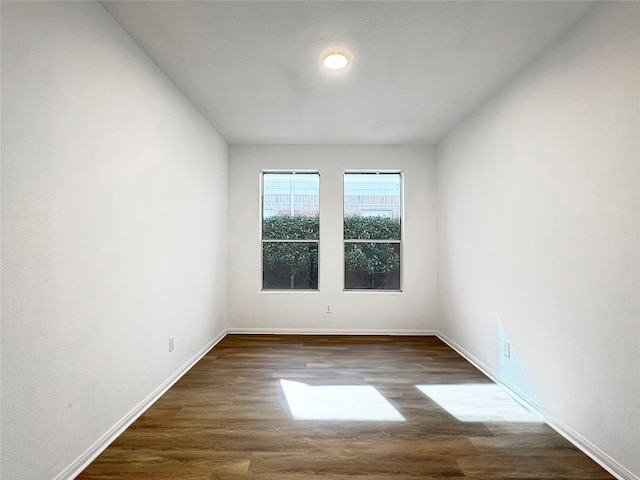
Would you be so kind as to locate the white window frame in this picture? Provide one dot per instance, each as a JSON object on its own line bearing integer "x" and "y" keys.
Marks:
{"x": 399, "y": 242}
{"x": 263, "y": 240}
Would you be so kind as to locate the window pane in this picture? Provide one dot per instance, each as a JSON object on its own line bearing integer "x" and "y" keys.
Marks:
{"x": 295, "y": 198}
{"x": 372, "y": 211}
{"x": 290, "y": 208}
{"x": 372, "y": 195}
{"x": 287, "y": 227}
{"x": 371, "y": 228}
{"x": 372, "y": 266}
{"x": 290, "y": 265}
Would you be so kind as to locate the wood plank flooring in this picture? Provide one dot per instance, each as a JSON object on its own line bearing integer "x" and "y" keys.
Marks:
{"x": 228, "y": 418}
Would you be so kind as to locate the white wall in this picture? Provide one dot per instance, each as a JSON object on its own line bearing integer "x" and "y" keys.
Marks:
{"x": 411, "y": 311}
{"x": 539, "y": 209}
{"x": 114, "y": 194}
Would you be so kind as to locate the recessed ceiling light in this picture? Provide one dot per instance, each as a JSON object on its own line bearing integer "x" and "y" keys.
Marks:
{"x": 336, "y": 61}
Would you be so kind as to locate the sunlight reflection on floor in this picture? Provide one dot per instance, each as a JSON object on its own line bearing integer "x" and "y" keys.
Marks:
{"x": 478, "y": 402}
{"x": 338, "y": 402}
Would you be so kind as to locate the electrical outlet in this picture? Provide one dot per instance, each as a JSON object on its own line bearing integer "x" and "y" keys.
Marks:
{"x": 171, "y": 343}
{"x": 328, "y": 308}
{"x": 506, "y": 348}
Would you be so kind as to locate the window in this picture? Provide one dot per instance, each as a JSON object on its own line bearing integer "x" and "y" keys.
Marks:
{"x": 372, "y": 221}
{"x": 290, "y": 230}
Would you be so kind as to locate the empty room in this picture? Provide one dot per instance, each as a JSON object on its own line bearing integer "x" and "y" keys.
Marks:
{"x": 320, "y": 240}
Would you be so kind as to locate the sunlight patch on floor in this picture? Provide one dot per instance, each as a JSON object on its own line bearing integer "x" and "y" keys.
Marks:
{"x": 478, "y": 402}
{"x": 338, "y": 402}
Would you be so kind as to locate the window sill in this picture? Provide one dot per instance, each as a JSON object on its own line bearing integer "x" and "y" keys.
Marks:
{"x": 373, "y": 290}
{"x": 291, "y": 290}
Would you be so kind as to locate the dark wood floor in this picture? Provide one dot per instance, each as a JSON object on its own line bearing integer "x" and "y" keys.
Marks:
{"x": 228, "y": 418}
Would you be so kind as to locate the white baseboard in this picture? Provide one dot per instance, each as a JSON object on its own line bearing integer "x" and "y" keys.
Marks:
{"x": 469, "y": 357}
{"x": 326, "y": 331}
{"x": 600, "y": 457}
{"x": 584, "y": 445}
{"x": 103, "y": 442}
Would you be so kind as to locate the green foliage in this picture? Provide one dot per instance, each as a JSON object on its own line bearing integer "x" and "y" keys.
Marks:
{"x": 373, "y": 264}
{"x": 290, "y": 227}
{"x": 295, "y": 264}
{"x": 290, "y": 264}
{"x": 358, "y": 227}
{"x": 371, "y": 258}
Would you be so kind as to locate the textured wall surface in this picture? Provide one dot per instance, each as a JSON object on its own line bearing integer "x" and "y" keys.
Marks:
{"x": 539, "y": 231}
{"x": 116, "y": 194}
{"x": 365, "y": 311}
{"x": 113, "y": 213}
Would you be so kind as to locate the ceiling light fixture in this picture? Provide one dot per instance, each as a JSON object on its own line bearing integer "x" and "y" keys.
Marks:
{"x": 336, "y": 61}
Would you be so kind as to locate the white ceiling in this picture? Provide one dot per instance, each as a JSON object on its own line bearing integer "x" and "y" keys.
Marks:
{"x": 253, "y": 67}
